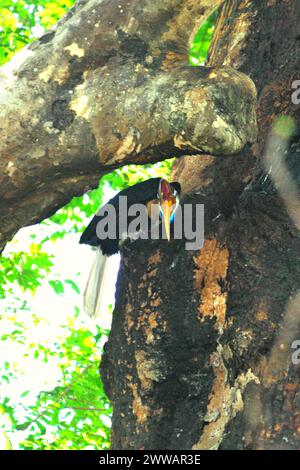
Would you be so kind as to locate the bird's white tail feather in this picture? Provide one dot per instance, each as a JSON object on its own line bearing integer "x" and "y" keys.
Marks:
{"x": 93, "y": 295}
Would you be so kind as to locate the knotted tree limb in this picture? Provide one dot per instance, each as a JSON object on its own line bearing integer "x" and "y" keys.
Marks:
{"x": 110, "y": 85}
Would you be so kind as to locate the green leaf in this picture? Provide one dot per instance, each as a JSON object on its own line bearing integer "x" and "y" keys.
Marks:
{"x": 73, "y": 285}
{"x": 24, "y": 426}
{"x": 57, "y": 286}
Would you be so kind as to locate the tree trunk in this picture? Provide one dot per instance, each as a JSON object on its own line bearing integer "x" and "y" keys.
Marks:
{"x": 200, "y": 352}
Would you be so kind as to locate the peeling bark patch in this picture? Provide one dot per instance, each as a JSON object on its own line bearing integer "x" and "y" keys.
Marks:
{"x": 47, "y": 73}
{"x": 10, "y": 169}
{"x": 147, "y": 370}
{"x": 224, "y": 402}
{"x": 129, "y": 145}
{"x": 261, "y": 314}
{"x": 171, "y": 60}
{"x": 148, "y": 321}
{"x": 58, "y": 75}
{"x": 140, "y": 411}
{"x": 75, "y": 50}
{"x": 155, "y": 258}
{"x": 210, "y": 277}
{"x": 80, "y": 106}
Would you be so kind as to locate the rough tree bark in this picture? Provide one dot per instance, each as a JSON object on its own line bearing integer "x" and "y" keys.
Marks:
{"x": 199, "y": 355}
{"x": 110, "y": 85}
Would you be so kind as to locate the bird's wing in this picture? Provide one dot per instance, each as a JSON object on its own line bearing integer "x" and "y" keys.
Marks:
{"x": 138, "y": 193}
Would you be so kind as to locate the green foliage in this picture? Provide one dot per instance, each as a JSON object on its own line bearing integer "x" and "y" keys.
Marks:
{"x": 73, "y": 415}
{"x": 202, "y": 40}
{"x": 25, "y": 269}
{"x": 52, "y": 11}
{"x": 21, "y": 20}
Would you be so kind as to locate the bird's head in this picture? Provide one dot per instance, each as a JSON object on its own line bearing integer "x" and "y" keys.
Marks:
{"x": 168, "y": 198}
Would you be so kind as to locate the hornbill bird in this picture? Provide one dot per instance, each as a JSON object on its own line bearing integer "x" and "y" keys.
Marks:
{"x": 158, "y": 198}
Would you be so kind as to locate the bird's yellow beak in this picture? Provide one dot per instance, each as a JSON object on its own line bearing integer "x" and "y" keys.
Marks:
{"x": 167, "y": 209}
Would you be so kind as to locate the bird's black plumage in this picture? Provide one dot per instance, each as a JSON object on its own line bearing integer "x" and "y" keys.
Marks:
{"x": 140, "y": 193}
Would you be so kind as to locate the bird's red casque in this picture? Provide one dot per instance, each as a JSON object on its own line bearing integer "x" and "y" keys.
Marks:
{"x": 166, "y": 189}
